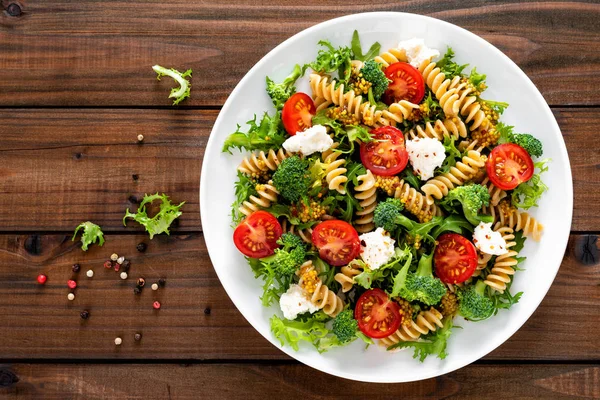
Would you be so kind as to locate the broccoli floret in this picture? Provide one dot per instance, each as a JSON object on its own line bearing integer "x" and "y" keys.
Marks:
{"x": 473, "y": 304}
{"x": 420, "y": 285}
{"x": 345, "y": 326}
{"x": 472, "y": 198}
{"x": 292, "y": 178}
{"x": 289, "y": 257}
{"x": 388, "y": 215}
{"x": 529, "y": 143}
{"x": 372, "y": 72}
{"x": 280, "y": 92}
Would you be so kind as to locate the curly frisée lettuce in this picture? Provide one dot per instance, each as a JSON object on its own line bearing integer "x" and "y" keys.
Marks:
{"x": 161, "y": 221}
{"x": 265, "y": 135}
{"x": 92, "y": 233}
{"x": 179, "y": 93}
{"x": 311, "y": 330}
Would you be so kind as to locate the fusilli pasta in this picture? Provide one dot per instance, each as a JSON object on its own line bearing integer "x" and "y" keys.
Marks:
{"x": 304, "y": 233}
{"x": 503, "y": 268}
{"x": 334, "y": 169}
{"x": 267, "y": 194}
{"x": 496, "y": 194}
{"x": 391, "y": 56}
{"x": 426, "y": 321}
{"x": 415, "y": 203}
{"x": 346, "y": 275}
{"x": 320, "y": 295}
{"x": 257, "y": 164}
{"x": 450, "y": 127}
{"x": 366, "y": 194}
{"x": 441, "y": 87}
{"x": 508, "y": 216}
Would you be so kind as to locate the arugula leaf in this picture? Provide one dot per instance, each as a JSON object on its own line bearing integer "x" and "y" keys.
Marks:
{"x": 179, "y": 93}
{"x": 432, "y": 344}
{"x": 453, "y": 223}
{"x": 527, "y": 194}
{"x": 432, "y": 109}
{"x": 519, "y": 241}
{"x": 452, "y": 155}
{"x": 311, "y": 330}
{"x": 505, "y": 300}
{"x": 448, "y": 66}
{"x": 329, "y": 59}
{"x": 408, "y": 176}
{"x": 400, "y": 277}
{"x": 357, "y": 49}
{"x": 92, "y": 233}
{"x": 161, "y": 221}
{"x": 266, "y": 135}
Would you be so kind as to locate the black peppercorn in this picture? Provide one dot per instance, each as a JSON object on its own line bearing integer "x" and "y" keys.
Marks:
{"x": 207, "y": 311}
{"x": 162, "y": 282}
{"x": 76, "y": 268}
{"x": 141, "y": 282}
{"x": 85, "y": 314}
{"x": 137, "y": 290}
{"x": 141, "y": 247}
{"x": 125, "y": 266}
{"x": 137, "y": 337}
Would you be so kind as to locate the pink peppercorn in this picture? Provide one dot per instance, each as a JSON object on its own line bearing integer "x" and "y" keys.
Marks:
{"x": 107, "y": 264}
{"x": 156, "y": 305}
{"x": 42, "y": 279}
{"x": 71, "y": 284}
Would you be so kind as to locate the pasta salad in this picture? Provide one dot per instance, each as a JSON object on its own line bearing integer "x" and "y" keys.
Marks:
{"x": 386, "y": 202}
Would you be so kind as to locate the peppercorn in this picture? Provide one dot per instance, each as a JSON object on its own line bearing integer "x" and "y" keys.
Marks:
{"x": 125, "y": 266}
{"x": 90, "y": 273}
{"x": 124, "y": 275}
{"x": 120, "y": 260}
{"x": 76, "y": 268}
{"x": 155, "y": 286}
{"x": 71, "y": 284}
{"x": 118, "y": 341}
{"x": 156, "y": 305}
{"x": 137, "y": 337}
{"x": 85, "y": 314}
{"x": 108, "y": 264}
{"x": 141, "y": 282}
{"x": 140, "y": 137}
{"x": 71, "y": 296}
{"x": 114, "y": 257}
{"x": 42, "y": 279}
{"x": 117, "y": 267}
{"x": 137, "y": 290}
{"x": 207, "y": 311}
{"x": 141, "y": 247}
{"x": 162, "y": 282}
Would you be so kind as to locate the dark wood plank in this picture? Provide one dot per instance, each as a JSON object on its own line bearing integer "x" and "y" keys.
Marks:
{"x": 255, "y": 381}
{"x": 61, "y": 167}
{"x": 39, "y": 321}
{"x": 100, "y": 53}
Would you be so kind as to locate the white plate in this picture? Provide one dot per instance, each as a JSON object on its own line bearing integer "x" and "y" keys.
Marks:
{"x": 528, "y": 112}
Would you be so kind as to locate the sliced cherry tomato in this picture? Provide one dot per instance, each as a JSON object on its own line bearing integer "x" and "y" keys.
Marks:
{"x": 455, "y": 258}
{"x": 297, "y": 113}
{"x": 509, "y": 165}
{"x": 257, "y": 235}
{"x": 385, "y": 154}
{"x": 337, "y": 242}
{"x": 407, "y": 84}
{"x": 377, "y": 315}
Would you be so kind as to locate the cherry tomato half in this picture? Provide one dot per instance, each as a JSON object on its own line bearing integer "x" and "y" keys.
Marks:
{"x": 377, "y": 315}
{"x": 297, "y": 113}
{"x": 337, "y": 242}
{"x": 407, "y": 84}
{"x": 455, "y": 258}
{"x": 256, "y": 236}
{"x": 385, "y": 154}
{"x": 509, "y": 165}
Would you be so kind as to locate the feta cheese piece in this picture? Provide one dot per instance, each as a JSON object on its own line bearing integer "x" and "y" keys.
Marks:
{"x": 376, "y": 248}
{"x": 425, "y": 155}
{"x": 488, "y": 241}
{"x": 309, "y": 141}
{"x": 295, "y": 301}
{"x": 417, "y": 52}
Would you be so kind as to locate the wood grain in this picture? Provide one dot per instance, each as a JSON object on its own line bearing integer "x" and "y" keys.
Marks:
{"x": 39, "y": 321}
{"x": 98, "y": 151}
{"x": 64, "y": 53}
{"x": 255, "y": 381}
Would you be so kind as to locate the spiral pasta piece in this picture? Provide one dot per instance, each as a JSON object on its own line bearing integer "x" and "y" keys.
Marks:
{"x": 470, "y": 106}
{"x": 464, "y": 170}
{"x": 346, "y": 275}
{"x": 324, "y": 90}
{"x": 320, "y": 295}
{"x": 415, "y": 203}
{"x": 441, "y": 87}
{"x": 505, "y": 215}
{"x": 267, "y": 194}
{"x": 426, "y": 321}
{"x": 304, "y": 233}
{"x": 391, "y": 56}
{"x": 450, "y": 127}
{"x": 496, "y": 194}
{"x": 366, "y": 194}
{"x": 503, "y": 268}
{"x": 257, "y": 164}
{"x": 334, "y": 169}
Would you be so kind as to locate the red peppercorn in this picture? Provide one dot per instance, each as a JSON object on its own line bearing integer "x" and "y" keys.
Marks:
{"x": 107, "y": 264}
{"x": 156, "y": 305}
{"x": 71, "y": 284}
{"x": 42, "y": 279}
{"x": 117, "y": 267}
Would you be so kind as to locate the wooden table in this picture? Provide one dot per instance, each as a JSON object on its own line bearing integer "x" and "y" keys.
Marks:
{"x": 76, "y": 89}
